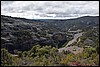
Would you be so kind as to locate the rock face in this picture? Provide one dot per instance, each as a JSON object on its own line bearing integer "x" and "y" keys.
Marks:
{"x": 22, "y": 34}
{"x": 75, "y": 49}
{"x": 72, "y": 49}
{"x": 59, "y": 36}
{"x": 88, "y": 41}
{"x": 60, "y": 39}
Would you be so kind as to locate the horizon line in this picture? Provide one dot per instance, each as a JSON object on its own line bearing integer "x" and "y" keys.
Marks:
{"x": 52, "y": 17}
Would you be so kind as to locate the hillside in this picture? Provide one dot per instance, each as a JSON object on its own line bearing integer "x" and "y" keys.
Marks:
{"x": 50, "y": 42}
{"x": 22, "y": 34}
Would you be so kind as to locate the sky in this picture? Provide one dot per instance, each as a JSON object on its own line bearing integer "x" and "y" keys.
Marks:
{"x": 49, "y": 9}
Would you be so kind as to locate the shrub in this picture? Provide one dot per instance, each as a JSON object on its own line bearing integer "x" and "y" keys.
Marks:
{"x": 6, "y": 58}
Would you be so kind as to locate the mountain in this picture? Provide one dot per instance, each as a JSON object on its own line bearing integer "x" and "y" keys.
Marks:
{"x": 22, "y": 34}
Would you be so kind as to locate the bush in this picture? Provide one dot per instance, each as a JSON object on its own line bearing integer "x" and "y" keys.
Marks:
{"x": 19, "y": 54}
{"x": 6, "y": 58}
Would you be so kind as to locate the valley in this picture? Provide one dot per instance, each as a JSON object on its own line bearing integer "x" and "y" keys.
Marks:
{"x": 53, "y": 40}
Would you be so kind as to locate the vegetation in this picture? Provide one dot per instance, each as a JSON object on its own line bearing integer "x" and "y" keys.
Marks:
{"x": 36, "y": 42}
{"x": 49, "y": 56}
{"x": 6, "y": 58}
{"x": 87, "y": 57}
{"x": 41, "y": 56}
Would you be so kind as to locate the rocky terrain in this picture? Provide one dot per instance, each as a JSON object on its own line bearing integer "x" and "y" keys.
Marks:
{"x": 22, "y": 34}
{"x": 44, "y": 42}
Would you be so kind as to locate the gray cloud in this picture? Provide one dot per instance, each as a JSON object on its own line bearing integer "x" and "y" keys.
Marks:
{"x": 47, "y": 8}
{"x": 6, "y": 2}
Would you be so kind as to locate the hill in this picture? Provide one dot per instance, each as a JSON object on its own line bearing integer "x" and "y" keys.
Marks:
{"x": 22, "y": 34}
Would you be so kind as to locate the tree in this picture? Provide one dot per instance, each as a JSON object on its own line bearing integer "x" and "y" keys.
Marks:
{"x": 64, "y": 61}
{"x": 20, "y": 54}
{"x": 97, "y": 48}
{"x": 25, "y": 54}
{"x": 34, "y": 50}
{"x": 42, "y": 51}
{"x": 6, "y": 58}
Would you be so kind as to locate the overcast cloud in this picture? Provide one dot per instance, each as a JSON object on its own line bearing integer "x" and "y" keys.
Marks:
{"x": 49, "y": 9}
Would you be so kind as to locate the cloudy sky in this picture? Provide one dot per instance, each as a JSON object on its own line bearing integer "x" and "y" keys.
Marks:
{"x": 49, "y": 9}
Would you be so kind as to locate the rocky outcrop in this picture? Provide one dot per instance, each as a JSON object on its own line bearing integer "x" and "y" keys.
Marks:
{"x": 88, "y": 41}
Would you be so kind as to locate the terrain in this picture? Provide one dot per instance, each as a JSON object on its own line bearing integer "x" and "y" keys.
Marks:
{"x": 56, "y": 39}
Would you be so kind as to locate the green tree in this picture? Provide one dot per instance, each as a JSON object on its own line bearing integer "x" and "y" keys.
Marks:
{"x": 20, "y": 54}
{"x": 97, "y": 48}
{"x": 25, "y": 53}
{"x": 34, "y": 50}
{"x": 42, "y": 51}
{"x": 6, "y": 58}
